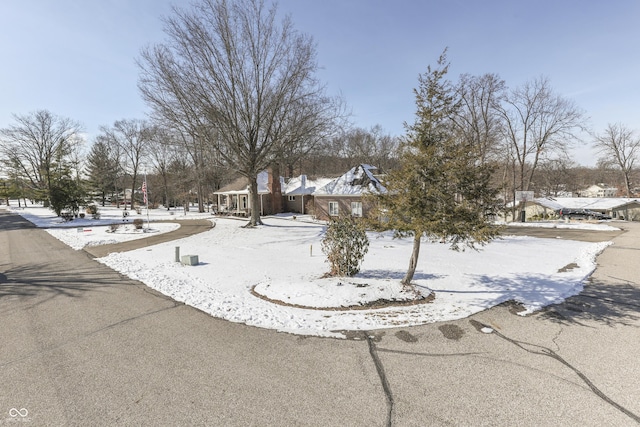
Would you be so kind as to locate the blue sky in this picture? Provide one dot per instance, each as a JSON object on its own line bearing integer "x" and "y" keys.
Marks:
{"x": 76, "y": 57}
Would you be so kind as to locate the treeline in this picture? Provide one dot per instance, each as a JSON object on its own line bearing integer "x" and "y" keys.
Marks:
{"x": 45, "y": 157}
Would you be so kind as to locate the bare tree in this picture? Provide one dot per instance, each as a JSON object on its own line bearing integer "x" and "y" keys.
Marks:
{"x": 535, "y": 122}
{"x": 37, "y": 145}
{"x": 181, "y": 121}
{"x": 619, "y": 146}
{"x": 477, "y": 118}
{"x": 371, "y": 146}
{"x": 556, "y": 176}
{"x": 245, "y": 82}
{"x": 132, "y": 136}
{"x": 162, "y": 152}
{"x": 355, "y": 146}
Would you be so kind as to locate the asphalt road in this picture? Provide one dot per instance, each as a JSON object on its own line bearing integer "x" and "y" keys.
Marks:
{"x": 564, "y": 233}
{"x": 187, "y": 228}
{"x": 82, "y": 345}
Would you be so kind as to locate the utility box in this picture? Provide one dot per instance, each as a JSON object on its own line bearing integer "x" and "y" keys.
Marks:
{"x": 189, "y": 259}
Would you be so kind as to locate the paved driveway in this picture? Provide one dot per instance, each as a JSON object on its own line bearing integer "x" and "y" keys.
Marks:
{"x": 82, "y": 345}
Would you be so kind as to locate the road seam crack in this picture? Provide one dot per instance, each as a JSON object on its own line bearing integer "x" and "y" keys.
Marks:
{"x": 383, "y": 379}
{"x": 544, "y": 351}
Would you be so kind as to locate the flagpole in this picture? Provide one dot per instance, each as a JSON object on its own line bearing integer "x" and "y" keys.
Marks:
{"x": 146, "y": 199}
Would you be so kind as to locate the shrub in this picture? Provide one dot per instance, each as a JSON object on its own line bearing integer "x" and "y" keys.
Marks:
{"x": 93, "y": 211}
{"x": 113, "y": 227}
{"x": 138, "y": 223}
{"x": 345, "y": 244}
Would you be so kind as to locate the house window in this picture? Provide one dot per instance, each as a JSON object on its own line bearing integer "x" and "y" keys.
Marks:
{"x": 292, "y": 198}
{"x": 356, "y": 208}
{"x": 333, "y": 208}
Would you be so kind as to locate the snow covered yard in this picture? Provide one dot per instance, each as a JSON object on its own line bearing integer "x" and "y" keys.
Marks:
{"x": 46, "y": 218}
{"x": 271, "y": 276}
{"x": 80, "y": 237}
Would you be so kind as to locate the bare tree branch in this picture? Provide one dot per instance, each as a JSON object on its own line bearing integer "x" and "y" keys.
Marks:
{"x": 37, "y": 144}
{"x": 618, "y": 145}
{"x": 234, "y": 76}
{"x": 535, "y": 122}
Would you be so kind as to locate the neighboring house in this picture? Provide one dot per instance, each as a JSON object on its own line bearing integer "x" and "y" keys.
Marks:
{"x": 599, "y": 190}
{"x": 628, "y": 210}
{"x": 617, "y": 207}
{"x": 235, "y": 198}
{"x": 343, "y": 195}
{"x": 298, "y": 193}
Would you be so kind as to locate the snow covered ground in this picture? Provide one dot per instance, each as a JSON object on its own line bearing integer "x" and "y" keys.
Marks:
{"x": 272, "y": 276}
{"x": 104, "y": 235}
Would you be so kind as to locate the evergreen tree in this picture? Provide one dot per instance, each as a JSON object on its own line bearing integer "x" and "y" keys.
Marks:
{"x": 441, "y": 190}
{"x": 67, "y": 194}
{"x": 66, "y": 191}
{"x": 102, "y": 167}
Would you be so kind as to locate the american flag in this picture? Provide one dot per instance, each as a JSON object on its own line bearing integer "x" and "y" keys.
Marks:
{"x": 144, "y": 191}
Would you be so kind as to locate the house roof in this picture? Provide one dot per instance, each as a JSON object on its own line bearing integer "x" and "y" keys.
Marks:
{"x": 593, "y": 203}
{"x": 241, "y": 185}
{"x": 601, "y": 187}
{"x": 355, "y": 182}
{"x": 302, "y": 185}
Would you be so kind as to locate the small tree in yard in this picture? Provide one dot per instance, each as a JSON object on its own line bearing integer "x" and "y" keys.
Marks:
{"x": 345, "y": 244}
{"x": 66, "y": 194}
{"x": 441, "y": 189}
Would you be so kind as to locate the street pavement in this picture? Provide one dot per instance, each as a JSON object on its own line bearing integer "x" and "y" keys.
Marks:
{"x": 82, "y": 345}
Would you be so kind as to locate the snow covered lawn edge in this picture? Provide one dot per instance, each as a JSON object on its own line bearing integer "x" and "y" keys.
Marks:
{"x": 283, "y": 261}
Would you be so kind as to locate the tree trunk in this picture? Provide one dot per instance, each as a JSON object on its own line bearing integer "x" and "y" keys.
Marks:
{"x": 200, "y": 194}
{"x": 255, "y": 203}
{"x": 413, "y": 262}
{"x": 627, "y": 183}
{"x": 133, "y": 190}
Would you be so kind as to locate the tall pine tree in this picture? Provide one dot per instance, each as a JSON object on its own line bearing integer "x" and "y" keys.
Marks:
{"x": 441, "y": 189}
{"x": 102, "y": 167}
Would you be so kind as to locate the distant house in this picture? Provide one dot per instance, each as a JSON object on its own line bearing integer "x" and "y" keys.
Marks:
{"x": 235, "y": 198}
{"x": 599, "y": 190}
{"x": 343, "y": 195}
{"x": 298, "y": 193}
{"x": 617, "y": 207}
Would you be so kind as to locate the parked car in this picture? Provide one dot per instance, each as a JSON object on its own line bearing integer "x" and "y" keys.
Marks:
{"x": 598, "y": 215}
{"x": 581, "y": 214}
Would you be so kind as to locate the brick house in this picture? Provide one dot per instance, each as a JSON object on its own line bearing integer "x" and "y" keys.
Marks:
{"x": 343, "y": 195}
{"x": 298, "y": 193}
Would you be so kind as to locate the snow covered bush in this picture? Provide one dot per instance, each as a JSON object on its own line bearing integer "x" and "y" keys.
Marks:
{"x": 345, "y": 244}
